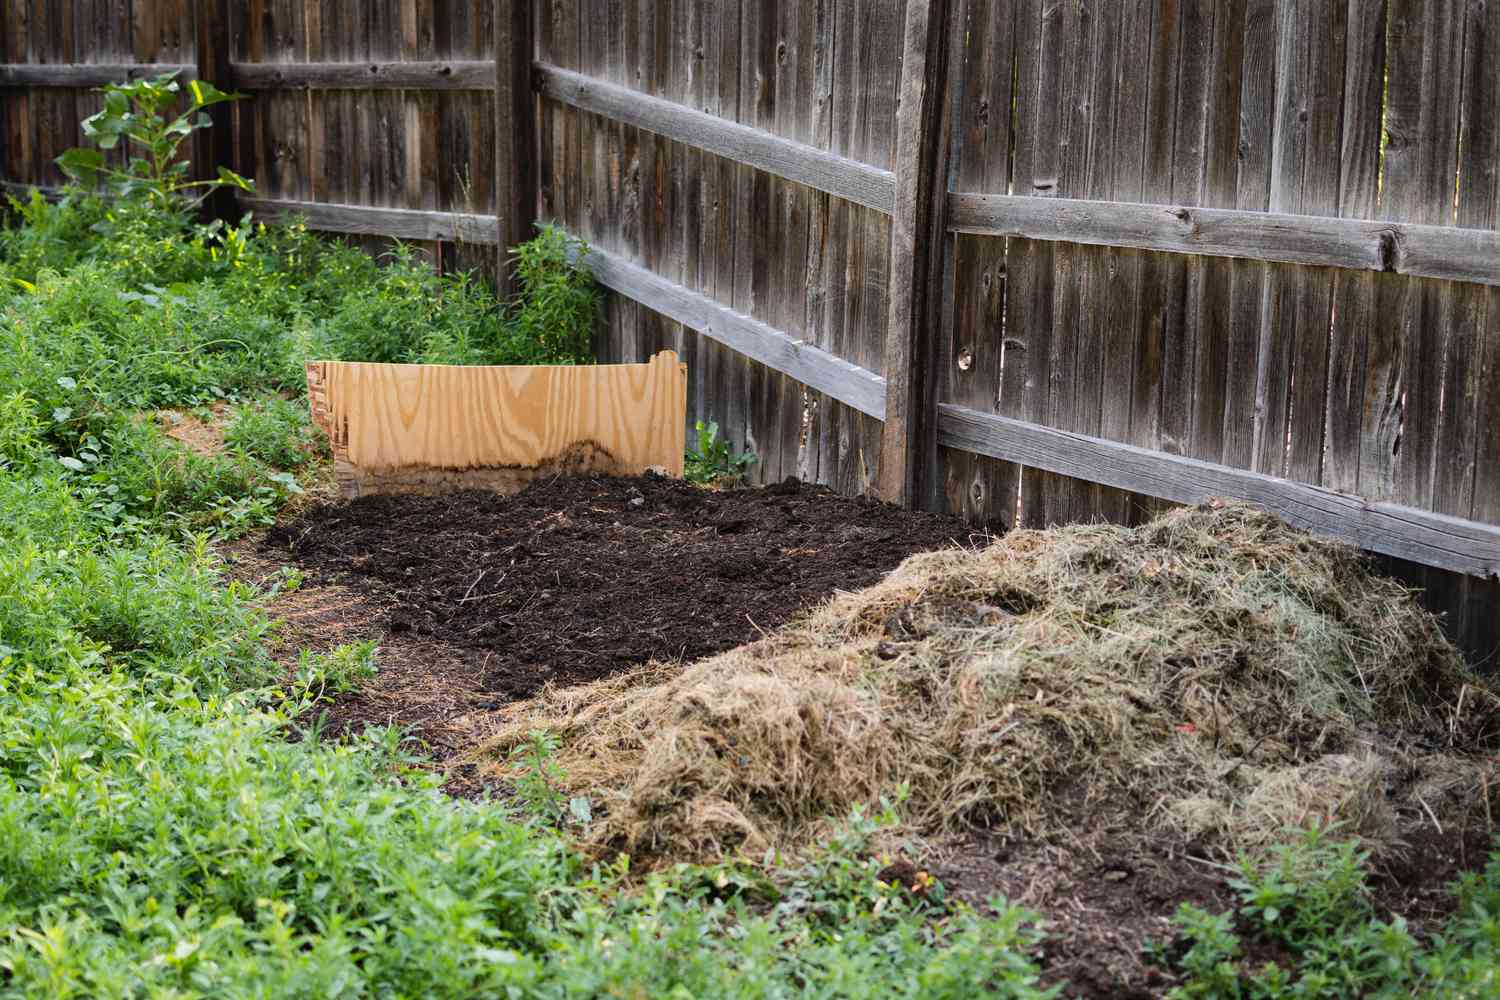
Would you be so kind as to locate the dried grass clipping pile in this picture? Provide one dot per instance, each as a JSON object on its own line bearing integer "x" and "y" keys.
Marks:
{"x": 1213, "y": 674}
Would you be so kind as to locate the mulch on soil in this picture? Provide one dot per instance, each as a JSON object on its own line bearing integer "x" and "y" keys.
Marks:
{"x": 578, "y": 578}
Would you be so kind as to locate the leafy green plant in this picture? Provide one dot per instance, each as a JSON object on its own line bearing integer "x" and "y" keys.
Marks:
{"x": 338, "y": 671}
{"x": 538, "y": 776}
{"x": 47, "y": 234}
{"x": 714, "y": 461}
{"x": 1312, "y": 887}
{"x": 556, "y": 311}
{"x": 143, "y": 113}
{"x": 275, "y": 431}
{"x": 1310, "y": 898}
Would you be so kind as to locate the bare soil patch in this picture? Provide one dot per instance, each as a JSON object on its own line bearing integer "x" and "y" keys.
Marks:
{"x": 478, "y": 599}
{"x": 204, "y": 437}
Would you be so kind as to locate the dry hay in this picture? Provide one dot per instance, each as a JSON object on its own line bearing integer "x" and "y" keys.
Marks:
{"x": 1213, "y": 675}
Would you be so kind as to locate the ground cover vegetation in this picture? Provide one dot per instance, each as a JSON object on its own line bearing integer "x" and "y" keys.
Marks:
{"x": 168, "y": 825}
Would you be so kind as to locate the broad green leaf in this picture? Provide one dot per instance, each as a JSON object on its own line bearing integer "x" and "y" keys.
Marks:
{"x": 70, "y": 463}
{"x": 81, "y": 164}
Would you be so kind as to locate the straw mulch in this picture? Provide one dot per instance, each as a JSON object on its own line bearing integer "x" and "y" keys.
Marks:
{"x": 1212, "y": 675}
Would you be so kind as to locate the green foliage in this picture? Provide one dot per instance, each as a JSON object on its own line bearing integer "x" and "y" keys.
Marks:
{"x": 1310, "y": 897}
{"x": 337, "y": 671}
{"x": 536, "y": 787}
{"x": 143, "y": 113}
{"x": 713, "y": 461}
{"x": 555, "y": 313}
{"x": 47, "y": 235}
{"x": 275, "y": 431}
{"x": 407, "y": 312}
{"x": 1310, "y": 888}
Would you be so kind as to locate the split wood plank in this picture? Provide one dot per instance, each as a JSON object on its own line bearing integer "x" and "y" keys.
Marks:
{"x": 450, "y": 74}
{"x": 1452, "y": 543}
{"x": 817, "y": 168}
{"x": 73, "y": 75}
{"x": 421, "y": 428}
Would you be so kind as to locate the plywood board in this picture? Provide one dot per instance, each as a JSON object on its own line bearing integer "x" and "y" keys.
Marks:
{"x": 429, "y": 428}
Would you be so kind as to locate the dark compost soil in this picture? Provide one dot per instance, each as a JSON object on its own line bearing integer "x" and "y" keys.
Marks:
{"x": 576, "y": 578}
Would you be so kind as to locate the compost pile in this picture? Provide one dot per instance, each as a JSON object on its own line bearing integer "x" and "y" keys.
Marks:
{"x": 1212, "y": 676}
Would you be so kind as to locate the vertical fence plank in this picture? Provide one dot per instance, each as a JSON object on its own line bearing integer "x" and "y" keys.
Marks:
{"x": 846, "y": 237}
{"x": 1160, "y": 282}
{"x": 1479, "y": 201}
{"x": 1029, "y": 320}
{"x": 515, "y": 134}
{"x": 981, "y": 489}
{"x": 1058, "y": 497}
{"x": 1122, "y": 304}
{"x": 918, "y": 234}
{"x": 815, "y": 437}
{"x": 216, "y": 145}
{"x": 1354, "y": 294}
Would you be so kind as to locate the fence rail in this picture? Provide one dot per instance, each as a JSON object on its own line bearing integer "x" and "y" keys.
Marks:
{"x": 1025, "y": 260}
{"x": 1363, "y": 245}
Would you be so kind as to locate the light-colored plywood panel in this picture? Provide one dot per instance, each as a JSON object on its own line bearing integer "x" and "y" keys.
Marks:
{"x": 427, "y": 428}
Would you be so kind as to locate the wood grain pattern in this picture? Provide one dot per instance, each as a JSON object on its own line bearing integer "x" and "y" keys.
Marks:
{"x": 453, "y": 74}
{"x": 71, "y": 75}
{"x": 850, "y": 384}
{"x": 422, "y": 428}
{"x": 916, "y": 243}
{"x": 400, "y": 223}
{"x": 1430, "y": 251}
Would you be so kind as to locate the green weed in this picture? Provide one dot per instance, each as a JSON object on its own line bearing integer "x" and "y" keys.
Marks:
{"x": 1310, "y": 897}
{"x": 337, "y": 671}
{"x": 275, "y": 431}
{"x": 141, "y": 116}
{"x": 714, "y": 461}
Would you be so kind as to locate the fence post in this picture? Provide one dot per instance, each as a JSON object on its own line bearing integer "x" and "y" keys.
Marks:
{"x": 918, "y": 222}
{"x": 515, "y": 132}
{"x": 215, "y": 147}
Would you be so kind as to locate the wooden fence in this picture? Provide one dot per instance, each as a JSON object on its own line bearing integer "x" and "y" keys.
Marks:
{"x": 1032, "y": 261}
